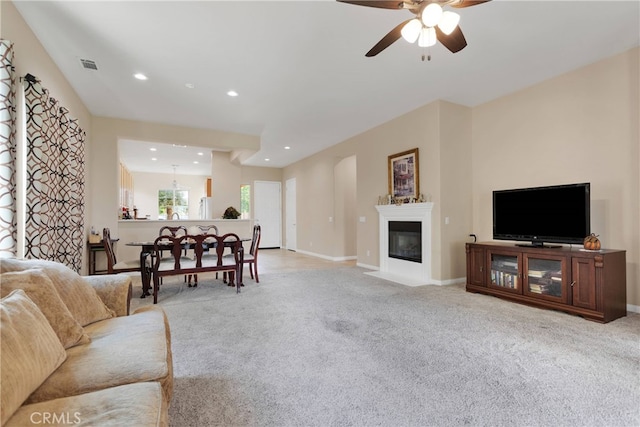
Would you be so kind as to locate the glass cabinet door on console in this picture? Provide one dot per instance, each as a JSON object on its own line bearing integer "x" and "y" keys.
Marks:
{"x": 504, "y": 271}
{"x": 546, "y": 277}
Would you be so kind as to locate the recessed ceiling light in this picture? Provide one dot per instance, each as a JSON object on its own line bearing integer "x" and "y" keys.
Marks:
{"x": 195, "y": 162}
{"x": 140, "y": 76}
{"x": 287, "y": 148}
{"x": 153, "y": 149}
{"x": 190, "y": 85}
{"x": 266, "y": 160}
{"x": 154, "y": 159}
{"x": 232, "y": 93}
{"x": 200, "y": 154}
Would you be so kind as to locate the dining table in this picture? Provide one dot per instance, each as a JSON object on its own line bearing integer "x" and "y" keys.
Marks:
{"x": 146, "y": 249}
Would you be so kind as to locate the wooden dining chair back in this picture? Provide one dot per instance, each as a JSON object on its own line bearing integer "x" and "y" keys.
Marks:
{"x": 176, "y": 231}
{"x": 202, "y": 229}
{"x": 115, "y": 267}
{"x": 252, "y": 257}
{"x": 208, "y": 229}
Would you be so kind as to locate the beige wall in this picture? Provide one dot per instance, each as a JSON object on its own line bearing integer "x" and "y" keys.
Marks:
{"x": 225, "y": 183}
{"x": 316, "y": 178}
{"x": 455, "y": 188}
{"x": 442, "y": 133}
{"x": 579, "y": 127}
{"x": 227, "y": 177}
{"x": 345, "y": 221}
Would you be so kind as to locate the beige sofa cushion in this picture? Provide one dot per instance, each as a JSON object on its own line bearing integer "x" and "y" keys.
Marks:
{"x": 123, "y": 350}
{"x": 79, "y": 297}
{"x": 40, "y": 290}
{"x": 114, "y": 290}
{"x": 31, "y": 351}
{"x": 137, "y": 405}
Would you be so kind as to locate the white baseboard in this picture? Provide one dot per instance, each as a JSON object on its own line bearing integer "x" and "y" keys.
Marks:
{"x": 398, "y": 279}
{"x": 410, "y": 281}
{"x": 367, "y": 266}
{"x": 633, "y": 308}
{"x": 447, "y": 282}
{"x": 328, "y": 258}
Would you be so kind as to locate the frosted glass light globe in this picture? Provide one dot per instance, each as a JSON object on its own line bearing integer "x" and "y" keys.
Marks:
{"x": 411, "y": 30}
{"x": 432, "y": 14}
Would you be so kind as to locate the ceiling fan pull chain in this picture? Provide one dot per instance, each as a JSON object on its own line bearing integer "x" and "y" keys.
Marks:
{"x": 427, "y": 55}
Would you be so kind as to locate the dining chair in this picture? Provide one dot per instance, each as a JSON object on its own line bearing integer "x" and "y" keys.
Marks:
{"x": 251, "y": 258}
{"x": 230, "y": 240}
{"x": 177, "y": 231}
{"x": 201, "y": 229}
{"x": 141, "y": 265}
{"x": 207, "y": 229}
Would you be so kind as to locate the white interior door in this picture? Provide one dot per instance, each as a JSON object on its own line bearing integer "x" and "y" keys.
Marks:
{"x": 290, "y": 209}
{"x": 267, "y": 211}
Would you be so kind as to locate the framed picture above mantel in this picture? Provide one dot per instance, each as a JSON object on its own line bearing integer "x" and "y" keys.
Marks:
{"x": 404, "y": 175}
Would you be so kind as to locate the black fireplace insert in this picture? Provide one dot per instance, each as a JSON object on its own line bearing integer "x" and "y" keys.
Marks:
{"x": 405, "y": 240}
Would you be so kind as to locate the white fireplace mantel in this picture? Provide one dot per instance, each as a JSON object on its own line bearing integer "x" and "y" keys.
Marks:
{"x": 397, "y": 270}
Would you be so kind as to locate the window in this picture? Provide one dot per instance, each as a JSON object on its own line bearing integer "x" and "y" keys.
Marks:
{"x": 245, "y": 201}
{"x": 172, "y": 202}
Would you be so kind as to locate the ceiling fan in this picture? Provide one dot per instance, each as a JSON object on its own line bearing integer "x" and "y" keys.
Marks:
{"x": 430, "y": 25}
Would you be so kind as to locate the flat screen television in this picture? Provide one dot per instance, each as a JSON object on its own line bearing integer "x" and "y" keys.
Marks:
{"x": 539, "y": 215}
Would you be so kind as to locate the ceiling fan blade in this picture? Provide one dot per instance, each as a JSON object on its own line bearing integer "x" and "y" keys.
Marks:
{"x": 467, "y": 3}
{"x": 382, "y": 4}
{"x": 455, "y": 41}
{"x": 387, "y": 40}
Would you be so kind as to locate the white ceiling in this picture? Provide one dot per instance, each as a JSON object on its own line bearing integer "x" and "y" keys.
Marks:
{"x": 299, "y": 66}
{"x": 153, "y": 157}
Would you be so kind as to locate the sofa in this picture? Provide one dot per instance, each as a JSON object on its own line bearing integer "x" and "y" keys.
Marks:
{"x": 71, "y": 353}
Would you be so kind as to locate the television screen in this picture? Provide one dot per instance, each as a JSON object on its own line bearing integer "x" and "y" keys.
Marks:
{"x": 557, "y": 214}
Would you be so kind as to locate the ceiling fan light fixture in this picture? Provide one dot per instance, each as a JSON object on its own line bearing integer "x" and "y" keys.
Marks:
{"x": 449, "y": 22}
{"x": 432, "y": 14}
{"x": 427, "y": 37}
{"x": 411, "y": 31}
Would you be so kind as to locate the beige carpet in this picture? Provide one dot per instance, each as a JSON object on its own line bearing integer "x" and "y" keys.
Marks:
{"x": 335, "y": 347}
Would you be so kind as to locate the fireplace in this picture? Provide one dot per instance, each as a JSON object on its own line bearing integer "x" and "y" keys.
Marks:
{"x": 405, "y": 240}
{"x": 405, "y": 243}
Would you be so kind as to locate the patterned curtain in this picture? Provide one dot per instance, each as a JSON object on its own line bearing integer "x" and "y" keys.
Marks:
{"x": 54, "y": 220}
{"x": 8, "y": 219}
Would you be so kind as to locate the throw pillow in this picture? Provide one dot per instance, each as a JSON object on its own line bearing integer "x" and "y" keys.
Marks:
{"x": 40, "y": 290}
{"x": 80, "y": 298}
{"x": 31, "y": 351}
